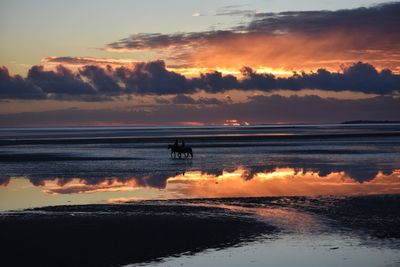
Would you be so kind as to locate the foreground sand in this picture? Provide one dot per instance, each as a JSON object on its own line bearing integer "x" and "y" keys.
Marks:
{"x": 112, "y": 235}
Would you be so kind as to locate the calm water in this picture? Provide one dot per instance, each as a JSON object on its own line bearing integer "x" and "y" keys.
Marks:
{"x": 292, "y": 250}
{"x": 102, "y": 164}
{"x": 66, "y": 166}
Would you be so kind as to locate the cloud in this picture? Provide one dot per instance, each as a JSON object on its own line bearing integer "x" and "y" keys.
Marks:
{"x": 61, "y": 84}
{"x": 152, "y": 78}
{"x": 369, "y": 20}
{"x": 311, "y": 108}
{"x": 102, "y": 79}
{"x": 146, "y": 41}
{"x": 258, "y": 109}
{"x": 359, "y": 77}
{"x": 181, "y": 99}
{"x": 235, "y": 10}
{"x": 80, "y": 61}
{"x": 16, "y": 87}
{"x": 96, "y": 83}
{"x": 215, "y": 82}
{"x": 301, "y": 40}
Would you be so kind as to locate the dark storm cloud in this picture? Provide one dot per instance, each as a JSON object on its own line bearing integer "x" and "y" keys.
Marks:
{"x": 94, "y": 83}
{"x": 102, "y": 79}
{"x": 359, "y": 77}
{"x": 91, "y": 83}
{"x": 16, "y": 87}
{"x": 59, "y": 81}
{"x": 215, "y": 82}
{"x": 152, "y": 78}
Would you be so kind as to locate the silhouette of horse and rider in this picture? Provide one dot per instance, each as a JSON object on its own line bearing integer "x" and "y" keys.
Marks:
{"x": 180, "y": 149}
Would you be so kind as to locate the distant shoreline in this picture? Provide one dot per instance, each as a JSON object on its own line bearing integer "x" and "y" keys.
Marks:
{"x": 151, "y": 126}
{"x": 164, "y": 139}
{"x": 369, "y": 122}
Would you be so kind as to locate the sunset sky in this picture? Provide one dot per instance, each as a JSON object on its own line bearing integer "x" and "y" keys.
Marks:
{"x": 180, "y": 62}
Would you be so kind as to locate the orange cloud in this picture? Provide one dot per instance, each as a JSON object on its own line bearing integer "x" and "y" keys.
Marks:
{"x": 283, "y": 42}
{"x": 281, "y": 54}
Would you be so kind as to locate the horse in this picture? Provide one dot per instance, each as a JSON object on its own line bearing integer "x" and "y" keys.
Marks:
{"x": 186, "y": 150}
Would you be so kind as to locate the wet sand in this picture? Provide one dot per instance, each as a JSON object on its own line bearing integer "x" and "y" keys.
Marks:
{"x": 373, "y": 216}
{"x": 113, "y": 235}
{"x": 313, "y": 231}
{"x": 194, "y": 230}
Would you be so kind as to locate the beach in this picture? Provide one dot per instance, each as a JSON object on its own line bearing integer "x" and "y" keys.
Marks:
{"x": 299, "y": 195}
{"x": 166, "y": 232}
{"x": 200, "y": 133}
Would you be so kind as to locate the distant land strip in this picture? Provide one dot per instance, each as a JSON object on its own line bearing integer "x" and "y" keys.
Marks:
{"x": 209, "y": 138}
{"x": 369, "y": 122}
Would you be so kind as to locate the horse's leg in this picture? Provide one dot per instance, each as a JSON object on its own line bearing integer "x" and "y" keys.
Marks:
{"x": 180, "y": 155}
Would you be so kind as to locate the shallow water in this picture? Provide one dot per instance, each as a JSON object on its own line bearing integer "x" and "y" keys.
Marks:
{"x": 233, "y": 165}
{"x": 304, "y": 239}
{"x": 292, "y": 250}
{"x": 42, "y": 167}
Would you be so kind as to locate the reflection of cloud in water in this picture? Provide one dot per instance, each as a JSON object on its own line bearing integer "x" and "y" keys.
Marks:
{"x": 281, "y": 182}
{"x": 80, "y": 186}
{"x": 239, "y": 183}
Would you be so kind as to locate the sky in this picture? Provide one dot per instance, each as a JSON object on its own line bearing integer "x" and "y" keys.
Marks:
{"x": 180, "y": 62}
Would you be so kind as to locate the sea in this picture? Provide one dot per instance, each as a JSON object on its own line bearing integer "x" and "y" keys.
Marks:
{"x": 241, "y": 168}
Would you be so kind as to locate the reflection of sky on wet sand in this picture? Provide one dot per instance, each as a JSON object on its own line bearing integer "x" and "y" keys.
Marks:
{"x": 291, "y": 250}
{"x": 282, "y": 182}
{"x": 20, "y": 193}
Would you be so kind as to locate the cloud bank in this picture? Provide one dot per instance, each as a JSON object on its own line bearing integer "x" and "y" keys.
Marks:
{"x": 96, "y": 83}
